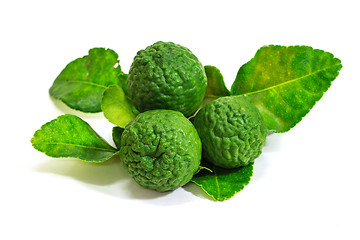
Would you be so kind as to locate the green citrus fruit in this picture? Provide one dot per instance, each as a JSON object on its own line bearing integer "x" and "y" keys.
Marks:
{"x": 231, "y": 130}
{"x": 160, "y": 149}
{"x": 167, "y": 76}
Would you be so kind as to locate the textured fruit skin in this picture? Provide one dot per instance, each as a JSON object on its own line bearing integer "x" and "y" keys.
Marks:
{"x": 167, "y": 76}
{"x": 161, "y": 149}
{"x": 231, "y": 130}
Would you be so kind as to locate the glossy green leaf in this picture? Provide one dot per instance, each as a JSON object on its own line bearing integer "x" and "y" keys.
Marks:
{"x": 68, "y": 136}
{"x": 215, "y": 87}
{"x": 116, "y": 134}
{"x": 222, "y": 184}
{"x": 285, "y": 82}
{"x": 82, "y": 82}
{"x": 215, "y": 83}
{"x": 117, "y": 107}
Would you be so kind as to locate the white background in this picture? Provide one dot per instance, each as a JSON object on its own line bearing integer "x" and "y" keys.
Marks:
{"x": 305, "y": 184}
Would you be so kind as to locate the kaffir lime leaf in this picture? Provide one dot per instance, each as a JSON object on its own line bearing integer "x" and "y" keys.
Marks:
{"x": 167, "y": 76}
{"x": 231, "y": 130}
{"x": 160, "y": 149}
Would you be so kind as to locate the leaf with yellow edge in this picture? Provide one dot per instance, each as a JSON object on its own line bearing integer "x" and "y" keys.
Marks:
{"x": 284, "y": 83}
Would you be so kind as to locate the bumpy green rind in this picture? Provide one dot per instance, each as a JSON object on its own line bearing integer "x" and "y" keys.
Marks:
{"x": 284, "y": 83}
{"x": 160, "y": 149}
{"x": 231, "y": 130}
{"x": 167, "y": 76}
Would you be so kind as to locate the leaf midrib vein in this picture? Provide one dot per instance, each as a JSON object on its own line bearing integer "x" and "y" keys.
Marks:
{"x": 217, "y": 184}
{"x": 291, "y": 81}
{"x": 81, "y": 146}
{"x": 85, "y": 82}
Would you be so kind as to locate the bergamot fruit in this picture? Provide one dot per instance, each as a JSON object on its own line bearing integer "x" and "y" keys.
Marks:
{"x": 160, "y": 149}
{"x": 166, "y": 76}
{"x": 231, "y": 130}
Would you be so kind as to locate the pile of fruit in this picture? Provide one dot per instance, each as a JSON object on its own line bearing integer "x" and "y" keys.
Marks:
{"x": 176, "y": 122}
